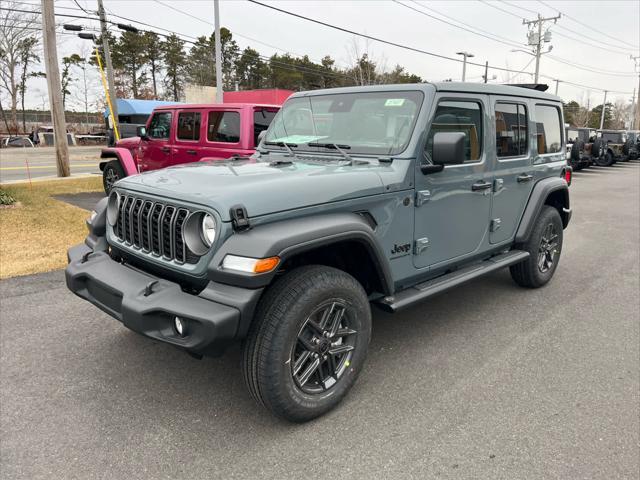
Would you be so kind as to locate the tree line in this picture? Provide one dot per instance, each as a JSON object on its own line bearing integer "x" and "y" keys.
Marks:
{"x": 149, "y": 66}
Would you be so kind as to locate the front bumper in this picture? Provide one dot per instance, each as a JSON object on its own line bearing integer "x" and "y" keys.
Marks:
{"x": 125, "y": 293}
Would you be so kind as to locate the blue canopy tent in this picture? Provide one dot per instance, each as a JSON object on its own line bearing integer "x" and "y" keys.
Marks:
{"x": 132, "y": 113}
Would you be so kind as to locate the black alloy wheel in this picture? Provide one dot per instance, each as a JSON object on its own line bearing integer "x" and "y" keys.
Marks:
{"x": 548, "y": 248}
{"x": 324, "y": 348}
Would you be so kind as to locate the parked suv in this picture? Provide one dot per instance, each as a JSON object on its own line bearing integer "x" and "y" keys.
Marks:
{"x": 177, "y": 134}
{"x": 632, "y": 146}
{"x": 614, "y": 143}
{"x": 580, "y": 147}
{"x": 384, "y": 195}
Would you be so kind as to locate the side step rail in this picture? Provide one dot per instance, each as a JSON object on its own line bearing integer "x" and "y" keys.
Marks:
{"x": 422, "y": 291}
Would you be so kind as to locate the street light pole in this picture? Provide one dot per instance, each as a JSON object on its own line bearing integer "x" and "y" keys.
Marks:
{"x": 218, "y": 47}
{"x": 464, "y": 63}
{"x": 557, "y": 83}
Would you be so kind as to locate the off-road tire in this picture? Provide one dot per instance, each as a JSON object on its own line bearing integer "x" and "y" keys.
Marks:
{"x": 597, "y": 148}
{"x": 576, "y": 148}
{"x": 273, "y": 336}
{"x": 112, "y": 170}
{"x": 528, "y": 273}
{"x": 605, "y": 160}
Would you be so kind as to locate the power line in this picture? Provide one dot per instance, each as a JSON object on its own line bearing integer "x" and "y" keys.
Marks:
{"x": 456, "y": 26}
{"x": 508, "y": 40}
{"x": 589, "y": 69}
{"x": 370, "y": 37}
{"x": 590, "y": 27}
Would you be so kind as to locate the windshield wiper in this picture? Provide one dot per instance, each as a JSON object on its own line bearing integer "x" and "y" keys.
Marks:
{"x": 285, "y": 145}
{"x": 334, "y": 146}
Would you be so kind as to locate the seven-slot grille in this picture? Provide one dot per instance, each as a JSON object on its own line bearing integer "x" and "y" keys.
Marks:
{"x": 154, "y": 228}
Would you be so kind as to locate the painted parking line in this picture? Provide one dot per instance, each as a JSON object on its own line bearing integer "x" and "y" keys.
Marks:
{"x": 33, "y": 167}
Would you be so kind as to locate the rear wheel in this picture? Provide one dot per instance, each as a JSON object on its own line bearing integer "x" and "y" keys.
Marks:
{"x": 605, "y": 160}
{"x": 112, "y": 172}
{"x": 544, "y": 247}
{"x": 308, "y": 342}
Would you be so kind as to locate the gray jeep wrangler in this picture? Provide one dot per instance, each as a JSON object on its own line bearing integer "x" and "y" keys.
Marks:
{"x": 383, "y": 195}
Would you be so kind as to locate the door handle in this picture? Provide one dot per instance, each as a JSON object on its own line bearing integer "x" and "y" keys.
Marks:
{"x": 476, "y": 187}
{"x": 525, "y": 177}
{"x": 165, "y": 149}
{"x": 192, "y": 152}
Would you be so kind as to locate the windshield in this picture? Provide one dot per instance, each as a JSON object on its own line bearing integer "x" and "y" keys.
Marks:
{"x": 364, "y": 122}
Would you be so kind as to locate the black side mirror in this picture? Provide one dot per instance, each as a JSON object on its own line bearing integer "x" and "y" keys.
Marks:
{"x": 448, "y": 149}
{"x": 141, "y": 131}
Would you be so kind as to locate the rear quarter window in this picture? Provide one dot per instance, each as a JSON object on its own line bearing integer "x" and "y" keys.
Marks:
{"x": 549, "y": 129}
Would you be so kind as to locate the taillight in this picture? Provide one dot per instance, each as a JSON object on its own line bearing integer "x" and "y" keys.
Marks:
{"x": 566, "y": 174}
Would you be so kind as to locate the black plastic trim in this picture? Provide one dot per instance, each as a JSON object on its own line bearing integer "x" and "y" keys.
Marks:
{"x": 288, "y": 238}
{"x": 539, "y": 195}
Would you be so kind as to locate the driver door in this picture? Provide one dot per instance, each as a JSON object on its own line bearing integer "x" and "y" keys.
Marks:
{"x": 453, "y": 206}
{"x": 155, "y": 151}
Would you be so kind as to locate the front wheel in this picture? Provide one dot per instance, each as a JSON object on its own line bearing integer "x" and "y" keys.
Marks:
{"x": 605, "y": 160}
{"x": 308, "y": 342}
{"x": 544, "y": 247}
{"x": 112, "y": 172}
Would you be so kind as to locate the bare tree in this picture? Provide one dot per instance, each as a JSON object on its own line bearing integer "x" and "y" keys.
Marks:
{"x": 620, "y": 113}
{"x": 15, "y": 28}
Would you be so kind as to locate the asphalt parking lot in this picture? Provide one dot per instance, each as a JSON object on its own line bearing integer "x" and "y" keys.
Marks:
{"x": 489, "y": 381}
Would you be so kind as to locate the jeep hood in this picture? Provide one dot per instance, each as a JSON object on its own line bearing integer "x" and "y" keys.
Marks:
{"x": 263, "y": 188}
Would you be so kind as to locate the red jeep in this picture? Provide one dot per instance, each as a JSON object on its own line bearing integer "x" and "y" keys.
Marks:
{"x": 178, "y": 134}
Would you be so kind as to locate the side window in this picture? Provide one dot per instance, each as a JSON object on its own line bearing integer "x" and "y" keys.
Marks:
{"x": 160, "y": 125}
{"x": 188, "y": 126}
{"x": 549, "y": 132}
{"x": 511, "y": 130}
{"x": 458, "y": 116}
{"x": 261, "y": 120}
{"x": 224, "y": 127}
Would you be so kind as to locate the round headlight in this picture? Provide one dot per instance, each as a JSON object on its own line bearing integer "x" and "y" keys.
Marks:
{"x": 208, "y": 229}
{"x": 113, "y": 208}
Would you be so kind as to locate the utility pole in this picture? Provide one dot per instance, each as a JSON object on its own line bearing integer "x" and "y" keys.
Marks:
{"x": 486, "y": 71}
{"x": 55, "y": 87}
{"x": 218, "y": 47}
{"x": 636, "y": 61}
{"x": 604, "y": 107}
{"x": 632, "y": 124}
{"x": 538, "y": 39}
{"x": 107, "y": 56}
{"x": 464, "y": 62}
{"x": 557, "y": 83}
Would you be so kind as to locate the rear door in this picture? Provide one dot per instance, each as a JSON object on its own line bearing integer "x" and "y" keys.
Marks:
{"x": 262, "y": 117}
{"x": 513, "y": 179}
{"x": 155, "y": 150}
{"x": 189, "y": 133}
{"x": 223, "y": 133}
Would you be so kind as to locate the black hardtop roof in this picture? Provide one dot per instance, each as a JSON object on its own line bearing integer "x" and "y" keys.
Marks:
{"x": 458, "y": 87}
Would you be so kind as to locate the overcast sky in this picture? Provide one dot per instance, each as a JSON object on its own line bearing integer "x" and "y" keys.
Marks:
{"x": 251, "y": 24}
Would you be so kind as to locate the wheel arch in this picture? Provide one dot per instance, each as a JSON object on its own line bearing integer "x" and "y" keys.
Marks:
{"x": 123, "y": 155}
{"x": 344, "y": 240}
{"x": 552, "y": 191}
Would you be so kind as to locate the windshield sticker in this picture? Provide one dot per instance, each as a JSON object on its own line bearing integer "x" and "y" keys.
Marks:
{"x": 394, "y": 102}
{"x": 299, "y": 138}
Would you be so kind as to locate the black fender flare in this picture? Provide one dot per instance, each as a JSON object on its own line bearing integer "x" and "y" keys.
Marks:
{"x": 538, "y": 198}
{"x": 288, "y": 238}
